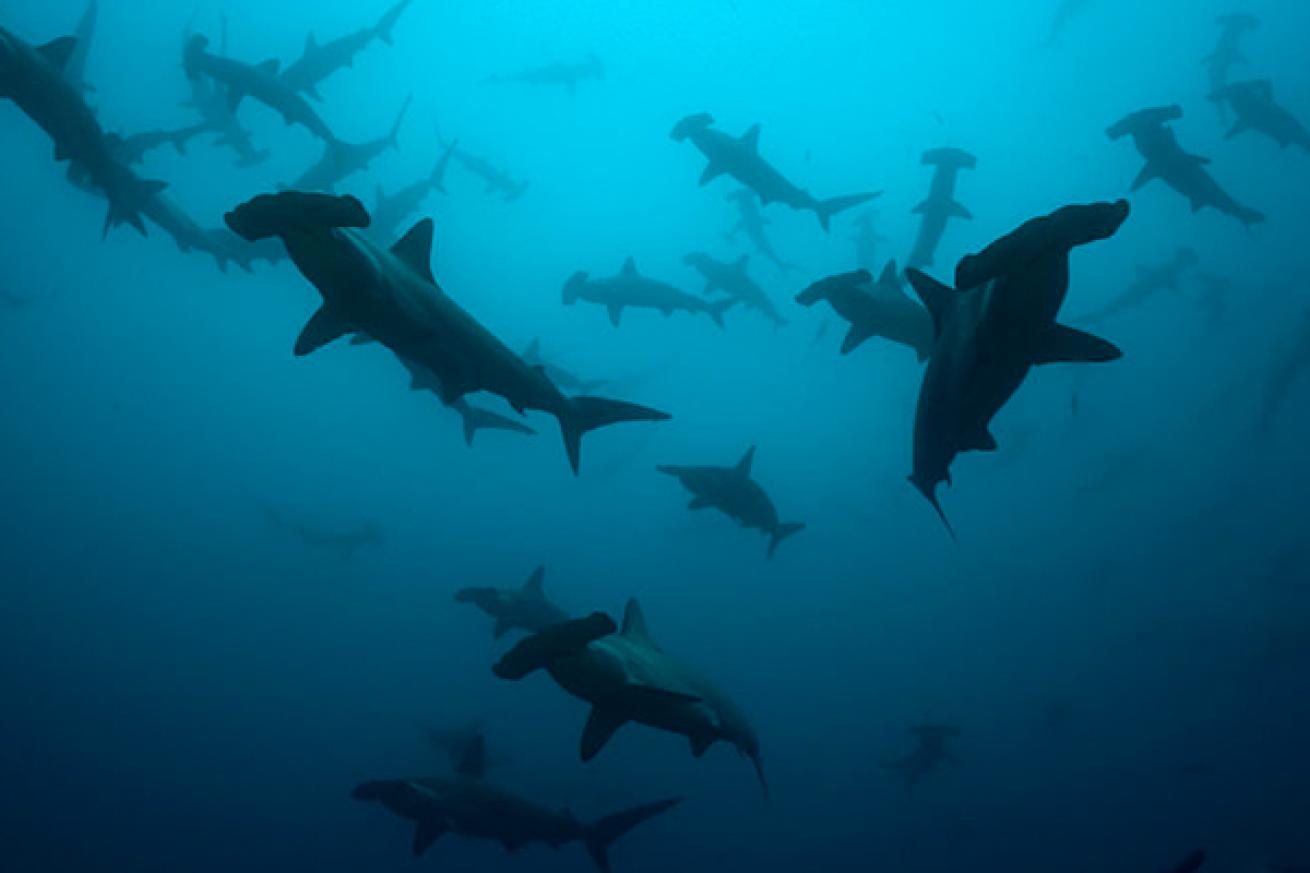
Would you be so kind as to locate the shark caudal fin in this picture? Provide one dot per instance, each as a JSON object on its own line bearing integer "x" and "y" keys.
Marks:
{"x": 824, "y": 210}
{"x": 930, "y": 493}
{"x": 382, "y": 30}
{"x": 781, "y": 533}
{"x": 271, "y": 214}
{"x": 582, "y": 414}
{"x": 603, "y": 834}
{"x": 536, "y": 652}
{"x": 476, "y": 419}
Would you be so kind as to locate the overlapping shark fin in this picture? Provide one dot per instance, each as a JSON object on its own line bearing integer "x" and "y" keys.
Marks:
{"x": 888, "y": 275}
{"x": 501, "y": 627}
{"x": 1061, "y": 344}
{"x": 415, "y": 249}
{"x": 534, "y": 584}
{"x": 58, "y": 52}
{"x": 473, "y": 763}
{"x": 601, "y": 835}
{"x": 940, "y": 299}
{"x": 751, "y": 138}
{"x": 629, "y": 270}
{"x": 634, "y": 625}
{"x": 602, "y": 723}
{"x": 1146, "y": 174}
{"x": 747, "y": 461}
{"x": 712, "y": 171}
{"x": 322, "y": 328}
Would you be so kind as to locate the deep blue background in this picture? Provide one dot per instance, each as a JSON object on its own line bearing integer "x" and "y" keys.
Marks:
{"x": 183, "y": 688}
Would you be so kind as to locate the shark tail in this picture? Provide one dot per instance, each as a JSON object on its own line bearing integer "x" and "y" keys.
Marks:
{"x": 930, "y": 493}
{"x": 781, "y": 533}
{"x": 388, "y": 21}
{"x": 1249, "y": 217}
{"x": 603, "y": 834}
{"x": 824, "y": 210}
{"x": 476, "y": 419}
{"x": 582, "y": 414}
{"x": 716, "y": 309}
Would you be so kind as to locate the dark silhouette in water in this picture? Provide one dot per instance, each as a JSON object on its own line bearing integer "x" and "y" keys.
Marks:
{"x": 1255, "y": 108}
{"x": 1287, "y": 367}
{"x": 1066, "y": 12}
{"x": 732, "y": 491}
{"x": 1215, "y": 293}
{"x": 84, "y": 33}
{"x": 567, "y": 380}
{"x": 734, "y": 281}
{"x": 132, "y": 150}
{"x": 929, "y": 754}
{"x": 739, "y": 157}
{"x": 33, "y": 77}
{"x": 15, "y": 301}
{"x": 390, "y": 211}
{"x": 344, "y": 544}
{"x": 752, "y": 221}
{"x": 318, "y": 62}
{"x": 1190, "y": 863}
{"x": 867, "y": 239}
{"x": 341, "y": 159}
{"x": 210, "y": 100}
{"x": 526, "y": 608}
{"x": 627, "y": 677}
{"x": 455, "y": 742}
{"x": 1151, "y": 279}
{"x": 941, "y": 205}
{"x": 498, "y": 181}
{"x": 467, "y": 805}
{"x": 570, "y": 76}
{"x": 631, "y": 290}
{"x": 473, "y": 418}
{"x": 392, "y": 297}
{"x": 872, "y": 309}
{"x": 259, "y": 82}
{"x": 1166, "y": 161}
{"x": 1228, "y": 51}
{"x": 995, "y": 329}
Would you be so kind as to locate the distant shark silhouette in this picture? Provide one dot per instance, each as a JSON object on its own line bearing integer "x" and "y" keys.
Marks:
{"x": 565, "y": 379}
{"x": 867, "y": 240}
{"x": 1228, "y": 51}
{"x": 1255, "y": 108}
{"x": 752, "y": 221}
{"x": 733, "y": 280}
{"x": 941, "y": 205}
{"x": 1150, "y": 280}
{"x": 873, "y": 309}
{"x": 929, "y": 754}
{"x": 570, "y": 76}
{"x": 319, "y": 61}
{"x": 341, "y": 159}
{"x": 526, "y": 608}
{"x": 390, "y": 211}
{"x": 631, "y": 290}
{"x": 344, "y": 544}
{"x": 498, "y": 181}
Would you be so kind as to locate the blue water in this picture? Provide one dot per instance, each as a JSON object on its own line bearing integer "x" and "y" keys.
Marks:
{"x": 1121, "y": 634}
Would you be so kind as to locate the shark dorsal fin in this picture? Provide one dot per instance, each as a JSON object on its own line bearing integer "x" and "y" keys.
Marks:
{"x": 473, "y": 763}
{"x": 751, "y": 138}
{"x": 270, "y": 66}
{"x": 746, "y": 462}
{"x": 533, "y": 349}
{"x": 58, "y": 51}
{"x": 629, "y": 268}
{"x": 533, "y": 585}
{"x": 634, "y": 624}
{"x": 940, "y": 299}
{"x": 888, "y": 276}
{"x": 310, "y": 42}
{"x": 415, "y": 249}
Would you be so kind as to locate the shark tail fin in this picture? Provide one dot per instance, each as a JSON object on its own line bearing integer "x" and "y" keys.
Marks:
{"x": 717, "y": 309}
{"x": 388, "y": 21}
{"x": 824, "y": 210}
{"x": 930, "y": 493}
{"x": 582, "y": 414}
{"x": 602, "y": 834}
{"x": 783, "y": 531}
{"x": 476, "y": 419}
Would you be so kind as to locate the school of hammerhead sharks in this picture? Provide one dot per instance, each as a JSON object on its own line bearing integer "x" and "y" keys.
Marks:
{"x": 978, "y": 334}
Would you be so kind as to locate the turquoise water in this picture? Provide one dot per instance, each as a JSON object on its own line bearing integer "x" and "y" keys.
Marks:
{"x": 197, "y": 672}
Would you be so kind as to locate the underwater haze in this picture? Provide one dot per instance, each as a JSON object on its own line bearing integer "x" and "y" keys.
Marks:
{"x": 267, "y": 575}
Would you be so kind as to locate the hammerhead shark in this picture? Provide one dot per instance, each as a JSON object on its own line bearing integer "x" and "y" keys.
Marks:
{"x": 209, "y": 99}
{"x": 1255, "y": 108}
{"x": 751, "y": 220}
{"x": 567, "y": 380}
{"x": 342, "y": 159}
{"x": 343, "y": 544}
{"x": 739, "y": 157}
{"x": 879, "y": 308}
{"x": 1288, "y": 366}
{"x": 390, "y": 211}
{"x": 733, "y": 280}
{"x": 1065, "y": 13}
{"x": 1165, "y": 160}
{"x": 1228, "y": 52}
{"x": 526, "y": 608}
{"x": 466, "y": 804}
{"x": 867, "y": 240}
{"x": 33, "y": 77}
{"x": 498, "y": 181}
{"x": 1151, "y": 279}
{"x": 392, "y": 297}
{"x": 732, "y": 491}
{"x": 929, "y": 754}
{"x": 318, "y": 62}
{"x": 631, "y": 290}
{"x": 567, "y": 75}
{"x": 994, "y": 329}
{"x": 941, "y": 205}
{"x": 627, "y": 677}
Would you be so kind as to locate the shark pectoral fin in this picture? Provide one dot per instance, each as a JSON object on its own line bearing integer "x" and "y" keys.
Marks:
{"x": 616, "y": 313}
{"x": 415, "y": 249}
{"x": 58, "y": 52}
{"x": 699, "y": 503}
{"x": 712, "y": 172}
{"x": 1061, "y": 344}
{"x": 957, "y": 210}
{"x": 322, "y": 328}
{"x": 601, "y": 725}
{"x": 427, "y": 832}
{"x": 234, "y": 97}
{"x": 1147, "y": 174}
{"x": 856, "y": 335}
{"x": 502, "y": 627}
{"x": 700, "y": 744}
